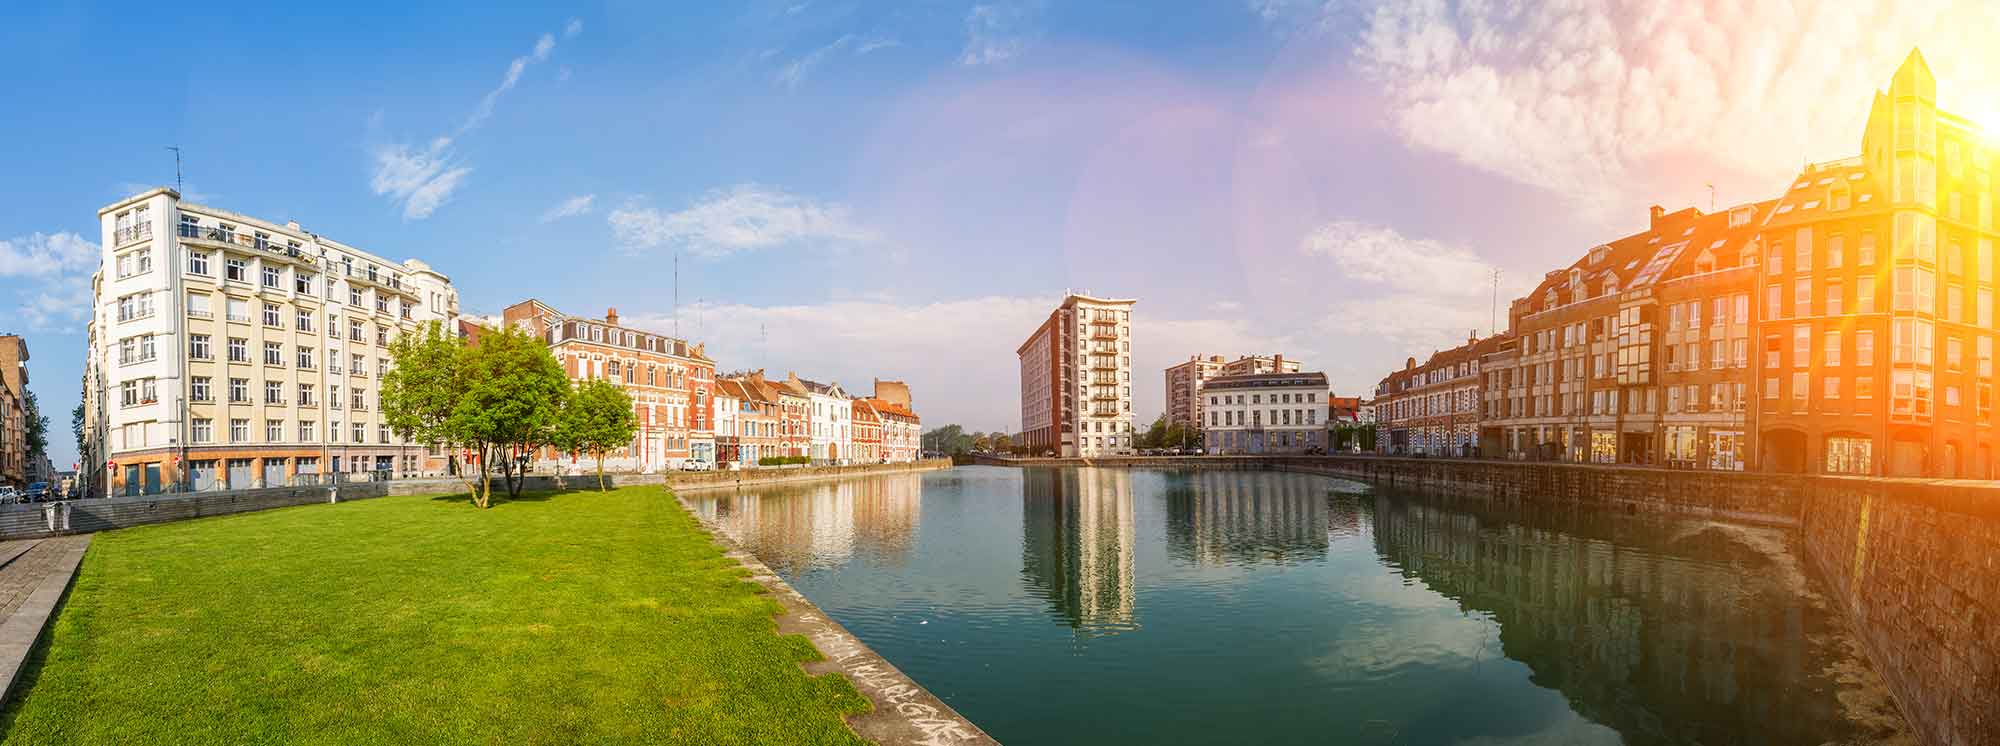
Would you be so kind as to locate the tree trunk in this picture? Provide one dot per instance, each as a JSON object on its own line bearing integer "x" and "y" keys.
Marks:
{"x": 483, "y": 497}
{"x": 600, "y": 470}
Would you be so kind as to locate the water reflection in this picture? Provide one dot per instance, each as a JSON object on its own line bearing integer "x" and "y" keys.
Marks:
{"x": 1667, "y": 632}
{"x": 793, "y": 528}
{"x": 1228, "y": 518}
{"x": 1076, "y": 545}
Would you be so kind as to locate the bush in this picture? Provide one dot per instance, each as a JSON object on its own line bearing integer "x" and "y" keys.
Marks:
{"x": 782, "y": 460}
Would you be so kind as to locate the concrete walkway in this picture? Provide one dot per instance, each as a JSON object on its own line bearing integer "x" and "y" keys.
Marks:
{"x": 33, "y": 576}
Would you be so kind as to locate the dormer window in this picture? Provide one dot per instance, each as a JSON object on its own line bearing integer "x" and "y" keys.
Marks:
{"x": 1839, "y": 198}
{"x": 1597, "y": 255}
{"x": 1740, "y": 216}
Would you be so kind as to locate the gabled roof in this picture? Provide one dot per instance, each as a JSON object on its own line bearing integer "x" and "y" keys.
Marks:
{"x": 1670, "y": 248}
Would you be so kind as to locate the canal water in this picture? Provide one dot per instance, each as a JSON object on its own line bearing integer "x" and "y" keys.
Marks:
{"x": 1111, "y": 606}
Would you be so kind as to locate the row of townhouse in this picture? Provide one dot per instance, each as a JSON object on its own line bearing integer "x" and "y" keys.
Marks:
{"x": 1846, "y": 326}
{"x": 1433, "y": 409}
{"x": 225, "y": 351}
{"x": 15, "y": 469}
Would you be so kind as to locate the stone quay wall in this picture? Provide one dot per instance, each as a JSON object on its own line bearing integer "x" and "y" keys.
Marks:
{"x": 1914, "y": 564}
{"x": 103, "y": 514}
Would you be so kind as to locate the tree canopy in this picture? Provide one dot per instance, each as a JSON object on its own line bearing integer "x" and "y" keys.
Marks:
{"x": 597, "y": 419}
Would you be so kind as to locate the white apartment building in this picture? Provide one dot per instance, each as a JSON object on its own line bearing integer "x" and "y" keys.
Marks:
{"x": 829, "y": 418}
{"x": 1265, "y": 413}
{"x": 232, "y": 352}
{"x": 1076, "y": 379}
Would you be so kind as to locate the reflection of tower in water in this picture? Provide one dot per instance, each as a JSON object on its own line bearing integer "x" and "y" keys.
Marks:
{"x": 1076, "y": 545}
{"x": 1231, "y": 518}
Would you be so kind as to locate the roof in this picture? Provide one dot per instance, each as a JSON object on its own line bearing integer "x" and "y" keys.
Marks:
{"x": 1674, "y": 245}
{"x": 888, "y": 407}
{"x": 731, "y": 388}
{"x": 1266, "y": 380}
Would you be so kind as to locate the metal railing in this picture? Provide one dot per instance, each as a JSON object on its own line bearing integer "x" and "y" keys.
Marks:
{"x": 132, "y": 233}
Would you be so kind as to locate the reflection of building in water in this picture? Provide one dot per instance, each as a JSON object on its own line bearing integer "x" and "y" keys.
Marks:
{"x": 1076, "y": 544}
{"x": 791, "y": 528}
{"x": 1693, "y": 637}
{"x": 1231, "y": 517}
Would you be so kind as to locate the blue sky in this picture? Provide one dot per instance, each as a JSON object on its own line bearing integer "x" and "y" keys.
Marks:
{"x": 903, "y": 190}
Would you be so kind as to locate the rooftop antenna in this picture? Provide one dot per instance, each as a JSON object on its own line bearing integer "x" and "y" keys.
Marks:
{"x": 677, "y": 295}
{"x": 1711, "y": 197}
{"x": 1493, "y": 315}
{"x": 177, "y": 166}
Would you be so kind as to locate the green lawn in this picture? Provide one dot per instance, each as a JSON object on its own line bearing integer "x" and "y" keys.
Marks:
{"x": 581, "y": 617}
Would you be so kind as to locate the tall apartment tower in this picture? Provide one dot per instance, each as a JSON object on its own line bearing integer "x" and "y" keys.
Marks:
{"x": 1076, "y": 379}
{"x": 1184, "y": 381}
{"x": 1878, "y": 324}
{"x": 231, "y": 352}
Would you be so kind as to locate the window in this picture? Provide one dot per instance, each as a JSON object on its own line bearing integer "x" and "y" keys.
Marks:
{"x": 238, "y": 309}
{"x": 1865, "y": 253}
{"x": 273, "y": 278}
{"x": 1864, "y": 387}
{"x": 272, "y": 318}
{"x": 360, "y": 399}
{"x": 274, "y": 353}
{"x": 1742, "y": 313}
{"x": 1804, "y": 240}
{"x": 306, "y": 395}
{"x": 274, "y": 431}
{"x": 354, "y": 296}
{"x": 1836, "y": 249}
{"x": 1802, "y": 297}
{"x": 239, "y": 431}
{"x": 381, "y": 336}
{"x": 1775, "y": 263}
{"x": 198, "y": 305}
{"x": 1774, "y": 302}
{"x": 1835, "y": 299}
{"x": 333, "y": 431}
{"x": 198, "y": 348}
{"x": 306, "y": 431}
{"x": 199, "y": 388}
{"x": 1984, "y": 350}
{"x": 355, "y": 365}
{"x": 1831, "y": 355}
{"x": 274, "y": 392}
{"x": 302, "y": 282}
{"x": 236, "y": 270}
{"x": 360, "y": 434}
{"x": 239, "y": 391}
{"x": 305, "y": 320}
{"x": 1864, "y": 347}
{"x": 135, "y": 263}
{"x": 333, "y": 396}
{"x": 305, "y": 357}
{"x": 1739, "y": 352}
{"x": 203, "y": 430}
{"x": 1864, "y": 294}
{"x": 354, "y": 331}
{"x": 1954, "y": 353}
{"x": 198, "y": 263}
{"x": 1801, "y": 346}
{"x": 1800, "y": 382}
{"x": 239, "y": 350}
{"x": 1718, "y": 354}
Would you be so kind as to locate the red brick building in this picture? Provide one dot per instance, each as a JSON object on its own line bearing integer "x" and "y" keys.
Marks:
{"x": 670, "y": 382}
{"x": 866, "y": 433}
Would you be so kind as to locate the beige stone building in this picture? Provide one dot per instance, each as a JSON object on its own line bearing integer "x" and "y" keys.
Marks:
{"x": 1076, "y": 379}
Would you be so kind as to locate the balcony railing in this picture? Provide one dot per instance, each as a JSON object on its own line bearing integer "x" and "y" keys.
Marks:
{"x": 258, "y": 243}
{"x": 132, "y": 233}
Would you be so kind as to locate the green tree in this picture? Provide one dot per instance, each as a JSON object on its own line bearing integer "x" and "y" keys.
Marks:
{"x": 38, "y": 428}
{"x": 513, "y": 397}
{"x": 1002, "y": 443}
{"x": 76, "y": 426}
{"x": 422, "y": 390}
{"x": 1154, "y": 436}
{"x": 597, "y": 419}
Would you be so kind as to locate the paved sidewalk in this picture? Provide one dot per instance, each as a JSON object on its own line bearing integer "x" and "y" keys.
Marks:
{"x": 33, "y": 576}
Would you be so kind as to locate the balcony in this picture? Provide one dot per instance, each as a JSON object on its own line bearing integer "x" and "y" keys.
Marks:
{"x": 1103, "y": 332}
{"x": 1103, "y": 364}
{"x": 131, "y": 233}
{"x": 1104, "y": 396}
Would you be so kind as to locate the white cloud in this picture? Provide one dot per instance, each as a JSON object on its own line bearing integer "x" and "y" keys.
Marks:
{"x": 42, "y": 255}
{"x": 62, "y": 305}
{"x": 747, "y": 217}
{"x": 421, "y": 180}
{"x": 1419, "y": 294}
{"x": 1616, "y": 100}
{"x": 569, "y": 208}
{"x": 796, "y": 71}
{"x": 998, "y": 32}
{"x": 424, "y": 178}
{"x": 871, "y": 45}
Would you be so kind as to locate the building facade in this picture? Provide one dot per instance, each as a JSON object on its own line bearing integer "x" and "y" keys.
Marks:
{"x": 1433, "y": 409}
{"x": 14, "y": 467}
{"x": 1638, "y": 352}
{"x": 829, "y": 419}
{"x": 1257, "y": 413}
{"x": 229, "y": 351}
{"x": 867, "y": 432}
{"x": 670, "y": 381}
{"x": 1184, "y": 380}
{"x": 1076, "y": 379}
{"x": 1875, "y": 346}
{"x": 902, "y": 430}
{"x": 759, "y": 419}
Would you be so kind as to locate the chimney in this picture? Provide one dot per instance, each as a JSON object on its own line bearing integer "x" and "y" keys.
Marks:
{"x": 292, "y": 224}
{"x": 1657, "y": 212}
{"x": 611, "y": 316}
{"x": 1471, "y": 336}
{"x": 1278, "y": 363}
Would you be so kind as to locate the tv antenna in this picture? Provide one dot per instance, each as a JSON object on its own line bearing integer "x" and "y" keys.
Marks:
{"x": 1493, "y": 315}
{"x": 177, "y": 166}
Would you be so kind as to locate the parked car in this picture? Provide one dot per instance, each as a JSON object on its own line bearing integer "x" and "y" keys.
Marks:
{"x": 38, "y": 492}
{"x": 8, "y": 494}
{"x": 695, "y": 464}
